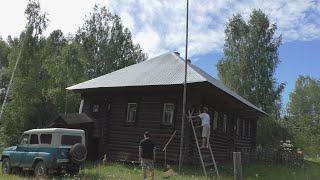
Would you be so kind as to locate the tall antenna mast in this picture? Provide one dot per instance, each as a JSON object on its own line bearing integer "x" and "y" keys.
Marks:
{"x": 184, "y": 93}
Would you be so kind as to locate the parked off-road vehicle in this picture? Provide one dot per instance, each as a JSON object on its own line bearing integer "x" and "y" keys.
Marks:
{"x": 46, "y": 151}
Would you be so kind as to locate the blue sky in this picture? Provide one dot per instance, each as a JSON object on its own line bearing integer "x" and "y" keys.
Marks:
{"x": 159, "y": 26}
{"x": 297, "y": 58}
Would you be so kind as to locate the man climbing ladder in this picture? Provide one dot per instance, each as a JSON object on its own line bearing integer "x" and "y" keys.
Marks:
{"x": 205, "y": 124}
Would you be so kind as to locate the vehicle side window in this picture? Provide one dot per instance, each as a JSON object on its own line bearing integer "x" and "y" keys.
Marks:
{"x": 45, "y": 138}
{"x": 70, "y": 140}
{"x": 24, "y": 139}
{"x": 34, "y": 139}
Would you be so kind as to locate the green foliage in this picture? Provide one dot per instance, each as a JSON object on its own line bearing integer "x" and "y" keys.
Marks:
{"x": 27, "y": 108}
{"x": 250, "y": 60}
{"x": 270, "y": 132}
{"x": 304, "y": 114}
{"x": 264, "y": 171}
{"x": 4, "y": 53}
{"x": 107, "y": 45}
{"x": 50, "y": 64}
{"x": 248, "y": 67}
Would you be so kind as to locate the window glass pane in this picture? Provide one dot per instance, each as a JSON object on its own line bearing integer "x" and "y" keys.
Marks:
{"x": 131, "y": 112}
{"x": 238, "y": 126}
{"x": 45, "y": 138}
{"x": 168, "y": 112}
{"x": 225, "y": 123}
{"x": 34, "y": 139}
{"x": 70, "y": 140}
{"x": 24, "y": 139}
{"x": 95, "y": 108}
{"x": 215, "y": 120}
{"x": 243, "y": 128}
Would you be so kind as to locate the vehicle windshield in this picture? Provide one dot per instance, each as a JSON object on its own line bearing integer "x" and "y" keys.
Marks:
{"x": 69, "y": 140}
{"x": 24, "y": 139}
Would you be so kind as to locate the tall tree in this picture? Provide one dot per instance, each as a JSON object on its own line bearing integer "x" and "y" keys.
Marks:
{"x": 250, "y": 60}
{"x": 4, "y": 53}
{"x": 106, "y": 43}
{"x": 65, "y": 66}
{"x": 304, "y": 113}
{"x": 27, "y": 107}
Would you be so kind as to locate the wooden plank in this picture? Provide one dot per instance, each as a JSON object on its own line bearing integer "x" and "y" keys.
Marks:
{"x": 237, "y": 166}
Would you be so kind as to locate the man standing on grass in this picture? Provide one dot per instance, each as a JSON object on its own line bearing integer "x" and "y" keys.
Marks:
{"x": 205, "y": 124}
{"x": 146, "y": 155}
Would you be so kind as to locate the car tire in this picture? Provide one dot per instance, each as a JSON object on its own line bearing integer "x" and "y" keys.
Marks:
{"x": 78, "y": 153}
{"x": 40, "y": 170}
{"x": 6, "y": 166}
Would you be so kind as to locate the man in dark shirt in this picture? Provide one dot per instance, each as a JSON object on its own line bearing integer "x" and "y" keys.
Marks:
{"x": 146, "y": 155}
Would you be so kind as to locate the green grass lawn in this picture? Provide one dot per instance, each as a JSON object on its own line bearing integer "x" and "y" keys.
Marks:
{"x": 310, "y": 171}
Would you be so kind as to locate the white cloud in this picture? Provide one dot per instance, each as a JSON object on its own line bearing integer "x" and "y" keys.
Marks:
{"x": 127, "y": 20}
{"x": 159, "y": 25}
{"x": 149, "y": 40}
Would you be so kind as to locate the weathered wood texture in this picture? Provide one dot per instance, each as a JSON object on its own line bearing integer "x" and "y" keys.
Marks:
{"x": 237, "y": 166}
{"x": 119, "y": 140}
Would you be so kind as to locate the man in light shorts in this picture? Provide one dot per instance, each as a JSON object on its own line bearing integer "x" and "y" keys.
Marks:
{"x": 146, "y": 155}
{"x": 205, "y": 124}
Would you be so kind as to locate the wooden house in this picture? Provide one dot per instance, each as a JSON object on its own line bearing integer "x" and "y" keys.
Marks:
{"x": 148, "y": 96}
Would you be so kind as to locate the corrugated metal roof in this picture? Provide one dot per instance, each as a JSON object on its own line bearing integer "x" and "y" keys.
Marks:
{"x": 166, "y": 69}
{"x": 76, "y": 118}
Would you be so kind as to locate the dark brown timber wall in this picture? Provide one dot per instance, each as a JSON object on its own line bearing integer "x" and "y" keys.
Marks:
{"x": 119, "y": 140}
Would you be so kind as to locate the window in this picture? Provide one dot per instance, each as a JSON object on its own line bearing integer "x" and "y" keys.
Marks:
{"x": 168, "y": 111}
{"x": 249, "y": 128}
{"x": 220, "y": 121}
{"x": 215, "y": 120}
{"x": 238, "y": 126}
{"x": 45, "y": 138}
{"x": 24, "y": 139}
{"x": 224, "y": 123}
{"x": 34, "y": 139}
{"x": 95, "y": 108}
{"x": 69, "y": 140}
{"x": 131, "y": 112}
{"x": 243, "y": 127}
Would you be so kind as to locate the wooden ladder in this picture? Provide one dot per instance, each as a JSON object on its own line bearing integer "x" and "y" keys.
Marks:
{"x": 201, "y": 151}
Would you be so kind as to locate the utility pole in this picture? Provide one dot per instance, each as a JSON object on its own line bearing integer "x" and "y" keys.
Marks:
{"x": 184, "y": 93}
{"x": 9, "y": 85}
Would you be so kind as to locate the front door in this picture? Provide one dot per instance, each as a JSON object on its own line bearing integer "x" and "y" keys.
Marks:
{"x": 18, "y": 155}
{"x": 31, "y": 151}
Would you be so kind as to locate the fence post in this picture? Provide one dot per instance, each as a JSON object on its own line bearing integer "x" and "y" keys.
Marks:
{"x": 237, "y": 167}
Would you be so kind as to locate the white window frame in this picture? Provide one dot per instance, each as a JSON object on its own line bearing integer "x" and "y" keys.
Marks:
{"x": 81, "y": 106}
{"x": 128, "y": 112}
{"x": 95, "y": 108}
{"x": 171, "y": 111}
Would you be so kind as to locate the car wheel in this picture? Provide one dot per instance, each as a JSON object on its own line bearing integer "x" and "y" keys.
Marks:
{"x": 40, "y": 169}
{"x": 6, "y": 166}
